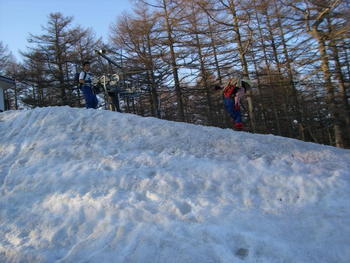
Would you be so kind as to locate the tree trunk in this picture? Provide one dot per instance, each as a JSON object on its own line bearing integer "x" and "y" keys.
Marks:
{"x": 338, "y": 132}
{"x": 16, "y": 96}
{"x": 345, "y": 107}
{"x": 213, "y": 44}
{"x": 154, "y": 94}
{"x": 203, "y": 71}
{"x": 263, "y": 110}
{"x": 179, "y": 100}
{"x": 273, "y": 104}
{"x": 288, "y": 63}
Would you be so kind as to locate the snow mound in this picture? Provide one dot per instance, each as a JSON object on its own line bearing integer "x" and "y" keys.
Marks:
{"x": 81, "y": 185}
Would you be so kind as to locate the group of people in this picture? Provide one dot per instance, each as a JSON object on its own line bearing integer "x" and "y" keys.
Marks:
{"x": 232, "y": 94}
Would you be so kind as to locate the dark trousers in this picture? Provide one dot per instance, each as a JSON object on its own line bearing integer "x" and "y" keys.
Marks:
{"x": 90, "y": 97}
{"x": 235, "y": 113}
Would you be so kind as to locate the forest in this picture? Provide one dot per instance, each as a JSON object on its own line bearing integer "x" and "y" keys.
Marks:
{"x": 175, "y": 56}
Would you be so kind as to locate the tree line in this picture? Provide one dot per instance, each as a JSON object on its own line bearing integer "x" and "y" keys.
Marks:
{"x": 180, "y": 52}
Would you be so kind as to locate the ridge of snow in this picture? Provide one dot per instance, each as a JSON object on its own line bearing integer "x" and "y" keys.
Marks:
{"x": 81, "y": 185}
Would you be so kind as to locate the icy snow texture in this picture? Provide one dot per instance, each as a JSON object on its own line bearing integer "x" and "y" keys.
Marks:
{"x": 81, "y": 185}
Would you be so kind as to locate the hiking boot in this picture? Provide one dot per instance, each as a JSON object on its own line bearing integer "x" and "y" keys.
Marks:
{"x": 238, "y": 126}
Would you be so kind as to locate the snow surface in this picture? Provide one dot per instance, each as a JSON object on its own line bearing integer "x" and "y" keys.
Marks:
{"x": 81, "y": 185}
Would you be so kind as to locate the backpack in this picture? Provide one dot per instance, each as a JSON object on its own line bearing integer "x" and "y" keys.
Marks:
{"x": 231, "y": 88}
{"x": 76, "y": 79}
{"x": 236, "y": 85}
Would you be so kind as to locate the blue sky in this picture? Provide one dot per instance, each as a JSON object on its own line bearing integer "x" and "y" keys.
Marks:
{"x": 18, "y": 18}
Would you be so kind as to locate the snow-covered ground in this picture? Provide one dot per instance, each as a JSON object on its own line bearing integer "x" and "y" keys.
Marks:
{"x": 81, "y": 185}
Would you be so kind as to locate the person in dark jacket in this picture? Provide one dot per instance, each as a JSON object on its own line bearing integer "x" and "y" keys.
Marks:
{"x": 85, "y": 80}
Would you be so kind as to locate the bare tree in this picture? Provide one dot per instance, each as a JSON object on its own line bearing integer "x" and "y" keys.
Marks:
{"x": 56, "y": 53}
{"x": 315, "y": 14}
{"x": 171, "y": 14}
{"x": 138, "y": 37}
{"x": 5, "y": 58}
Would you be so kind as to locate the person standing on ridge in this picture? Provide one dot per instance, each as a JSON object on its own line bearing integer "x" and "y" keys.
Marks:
{"x": 85, "y": 81}
{"x": 233, "y": 92}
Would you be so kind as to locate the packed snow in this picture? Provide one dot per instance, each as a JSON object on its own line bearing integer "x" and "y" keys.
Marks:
{"x": 80, "y": 185}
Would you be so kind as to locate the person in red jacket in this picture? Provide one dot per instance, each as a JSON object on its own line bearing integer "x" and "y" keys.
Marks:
{"x": 233, "y": 92}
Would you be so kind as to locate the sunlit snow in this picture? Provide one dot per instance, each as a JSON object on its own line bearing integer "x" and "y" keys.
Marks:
{"x": 81, "y": 185}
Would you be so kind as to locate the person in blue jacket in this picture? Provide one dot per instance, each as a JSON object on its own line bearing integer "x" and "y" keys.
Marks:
{"x": 85, "y": 80}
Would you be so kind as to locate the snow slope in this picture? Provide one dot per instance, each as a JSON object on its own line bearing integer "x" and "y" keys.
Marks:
{"x": 81, "y": 185}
